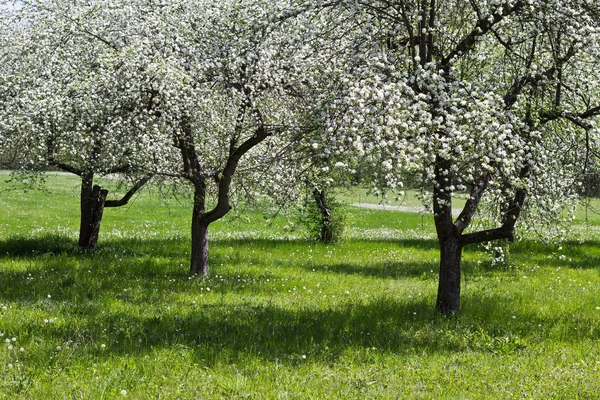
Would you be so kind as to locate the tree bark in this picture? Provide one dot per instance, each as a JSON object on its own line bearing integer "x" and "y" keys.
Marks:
{"x": 92, "y": 208}
{"x": 199, "y": 260}
{"x": 326, "y": 230}
{"x": 86, "y": 209}
{"x": 194, "y": 172}
{"x": 448, "y": 297}
{"x": 98, "y": 211}
{"x": 199, "y": 256}
{"x": 449, "y": 238}
{"x": 93, "y": 200}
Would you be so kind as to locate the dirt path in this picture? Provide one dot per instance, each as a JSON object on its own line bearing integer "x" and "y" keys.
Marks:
{"x": 387, "y": 207}
{"x": 391, "y": 208}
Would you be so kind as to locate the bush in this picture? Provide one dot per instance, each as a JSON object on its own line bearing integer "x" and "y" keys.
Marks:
{"x": 323, "y": 217}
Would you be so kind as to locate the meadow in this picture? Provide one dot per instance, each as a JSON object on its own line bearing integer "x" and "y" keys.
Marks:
{"x": 282, "y": 317}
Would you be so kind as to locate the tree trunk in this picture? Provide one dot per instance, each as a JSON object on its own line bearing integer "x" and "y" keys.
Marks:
{"x": 448, "y": 299}
{"x": 326, "y": 228}
{"x": 449, "y": 238}
{"x": 86, "y": 209}
{"x": 99, "y": 200}
{"x": 199, "y": 259}
{"x": 201, "y": 219}
{"x": 92, "y": 201}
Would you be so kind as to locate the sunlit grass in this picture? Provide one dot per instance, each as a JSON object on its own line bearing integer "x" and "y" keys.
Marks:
{"x": 281, "y": 317}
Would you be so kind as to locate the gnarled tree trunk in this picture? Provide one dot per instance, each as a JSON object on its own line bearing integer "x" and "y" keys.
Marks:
{"x": 451, "y": 234}
{"x": 448, "y": 297}
{"x": 193, "y": 172}
{"x": 99, "y": 200}
{"x": 92, "y": 209}
{"x": 448, "y": 300}
{"x": 92, "y": 203}
{"x": 87, "y": 205}
{"x": 199, "y": 256}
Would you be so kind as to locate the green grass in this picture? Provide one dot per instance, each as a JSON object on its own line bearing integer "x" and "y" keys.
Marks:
{"x": 281, "y": 317}
{"x": 360, "y": 195}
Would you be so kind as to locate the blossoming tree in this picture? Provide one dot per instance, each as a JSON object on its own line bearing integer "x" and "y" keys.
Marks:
{"x": 495, "y": 99}
{"x": 233, "y": 85}
{"x": 75, "y": 104}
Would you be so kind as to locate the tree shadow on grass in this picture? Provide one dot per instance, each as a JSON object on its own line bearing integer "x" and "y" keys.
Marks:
{"x": 34, "y": 246}
{"x": 137, "y": 307}
{"x": 279, "y": 334}
{"x": 505, "y": 316}
{"x": 232, "y": 333}
{"x": 583, "y": 253}
{"x": 384, "y": 270}
{"x": 128, "y": 311}
{"x": 168, "y": 259}
{"x": 263, "y": 243}
{"x": 25, "y": 246}
{"x": 175, "y": 252}
{"x": 138, "y": 281}
{"x": 393, "y": 268}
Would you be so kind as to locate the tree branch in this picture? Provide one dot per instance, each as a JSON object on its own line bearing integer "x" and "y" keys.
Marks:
{"x": 483, "y": 26}
{"x": 506, "y": 231}
{"x": 120, "y": 169}
{"x": 65, "y": 167}
{"x": 125, "y": 199}
{"x": 233, "y": 160}
{"x": 515, "y": 90}
{"x": 577, "y": 119}
{"x": 466, "y": 216}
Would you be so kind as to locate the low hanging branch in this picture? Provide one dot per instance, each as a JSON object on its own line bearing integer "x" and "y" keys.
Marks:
{"x": 510, "y": 217}
{"x": 233, "y": 160}
{"x": 125, "y": 199}
{"x": 506, "y": 231}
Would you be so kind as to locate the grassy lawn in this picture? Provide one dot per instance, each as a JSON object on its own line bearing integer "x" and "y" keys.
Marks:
{"x": 281, "y": 317}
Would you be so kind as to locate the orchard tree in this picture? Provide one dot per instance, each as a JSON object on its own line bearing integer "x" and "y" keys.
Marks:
{"x": 77, "y": 105}
{"x": 7, "y": 79}
{"x": 495, "y": 99}
{"x": 234, "y": 86}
